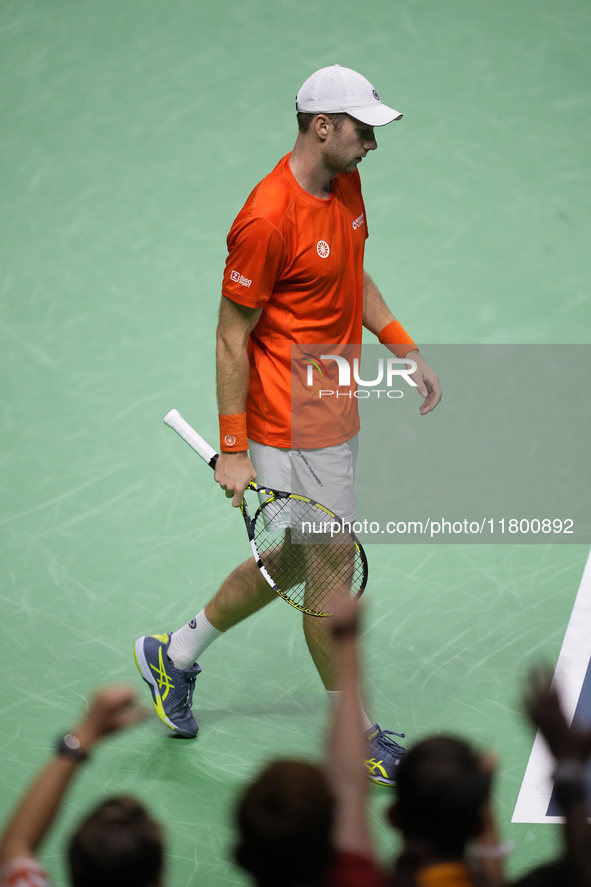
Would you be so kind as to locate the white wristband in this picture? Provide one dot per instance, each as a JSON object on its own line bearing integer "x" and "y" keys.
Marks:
{"x": 494, "y": 851}
{"x": 569, "y": 770}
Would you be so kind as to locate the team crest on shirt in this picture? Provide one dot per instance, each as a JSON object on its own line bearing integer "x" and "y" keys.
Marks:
{"x": 323, "y": 249}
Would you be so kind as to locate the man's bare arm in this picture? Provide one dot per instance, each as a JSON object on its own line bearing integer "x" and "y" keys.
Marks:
{"x": 377, "y": 315}
{"x": 112, "y": 709}
{"x": 234, "y": 471}
{"x": 571, "y": 747}
{"x": 345, "y": 759}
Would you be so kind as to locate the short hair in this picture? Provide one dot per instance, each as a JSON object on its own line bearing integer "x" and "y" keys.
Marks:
{"x": 442, "y": 788}
{"x": 305, "y": 119}
{"x": 118, "y": 844}
{"x": 284, "y": 820}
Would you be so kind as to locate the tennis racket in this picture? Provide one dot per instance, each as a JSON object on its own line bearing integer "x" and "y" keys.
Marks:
{"x": 307, "y": 554}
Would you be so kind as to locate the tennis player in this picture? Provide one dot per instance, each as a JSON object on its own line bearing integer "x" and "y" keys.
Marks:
{"x": 294, "y": 275}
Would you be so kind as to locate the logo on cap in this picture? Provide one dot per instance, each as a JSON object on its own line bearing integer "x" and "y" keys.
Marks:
{"x": 323, "y": 249}
{"x": 375, "y": 95}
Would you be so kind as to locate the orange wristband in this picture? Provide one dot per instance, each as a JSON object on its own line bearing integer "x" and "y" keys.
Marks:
{"x": 233, "y": 433}
{"x": 395, "y": 334}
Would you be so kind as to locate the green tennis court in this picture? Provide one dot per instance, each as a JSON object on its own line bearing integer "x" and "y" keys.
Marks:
{"x": 131, "y": 135}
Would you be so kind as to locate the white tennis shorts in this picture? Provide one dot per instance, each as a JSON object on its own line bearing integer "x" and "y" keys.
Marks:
{"x": 326, "y": 475}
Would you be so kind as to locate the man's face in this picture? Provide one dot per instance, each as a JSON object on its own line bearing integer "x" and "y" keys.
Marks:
{"x": 346, "y": 147}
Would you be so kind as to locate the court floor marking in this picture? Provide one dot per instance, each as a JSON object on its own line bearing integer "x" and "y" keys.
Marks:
{"x": 571, "y": 669}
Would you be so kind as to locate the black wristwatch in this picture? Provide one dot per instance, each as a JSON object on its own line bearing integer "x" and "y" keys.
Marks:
{"x": 569, "y": 782}
{"x": 569, "y": 792}
{"x": 69, "y": 747}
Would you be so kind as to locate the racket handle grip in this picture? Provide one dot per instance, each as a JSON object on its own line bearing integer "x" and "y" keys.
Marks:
{"x": 190, "y": 436}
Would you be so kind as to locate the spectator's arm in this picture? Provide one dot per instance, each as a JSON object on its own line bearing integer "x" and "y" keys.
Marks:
{"x": 571, "y": 747}
{"x": 36, "y": 812}
{"x": 111, "y": 709}
{"x": 345, "y": 765}
{"x": 489, "y": 851}
{"x": 577, "y": 835}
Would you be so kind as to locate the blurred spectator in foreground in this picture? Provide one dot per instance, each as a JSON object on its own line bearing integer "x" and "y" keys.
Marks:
{"x": 571, "y": 747}
{"x": 118, "y": 844}
{"x": 302, "y": 825}
{"x": 443, "y": 813}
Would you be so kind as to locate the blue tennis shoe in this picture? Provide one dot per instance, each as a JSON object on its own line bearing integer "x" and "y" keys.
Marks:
{"x": 171, "y": 688}
{"x": 383, "y": 755}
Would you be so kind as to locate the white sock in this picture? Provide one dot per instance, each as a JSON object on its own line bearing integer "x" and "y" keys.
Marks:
{"x": 189, "y": 642}
{"x": 333, "y": 695}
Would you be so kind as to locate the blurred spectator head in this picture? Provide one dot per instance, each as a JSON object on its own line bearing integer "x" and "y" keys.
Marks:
{"x": 118, "y": 844}
{"x": 442, "y": 789}
{"x": 284, "y": 820}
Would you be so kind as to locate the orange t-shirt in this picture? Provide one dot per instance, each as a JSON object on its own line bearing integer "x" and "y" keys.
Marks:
{"x": 300, "y": 258}
{"x": 446, "y": 874}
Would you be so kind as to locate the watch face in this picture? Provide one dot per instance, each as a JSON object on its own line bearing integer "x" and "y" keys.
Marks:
{"x": 69, "y": 746}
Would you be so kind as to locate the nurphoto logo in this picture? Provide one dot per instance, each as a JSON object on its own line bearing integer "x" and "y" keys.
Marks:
{"x": 409, "y": 366}
{"x": 393, "y": 372}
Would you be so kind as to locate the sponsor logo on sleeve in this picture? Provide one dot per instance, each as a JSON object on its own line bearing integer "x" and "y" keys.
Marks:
{"x": 244, "y": 281}
{"x": 358, "y": 222}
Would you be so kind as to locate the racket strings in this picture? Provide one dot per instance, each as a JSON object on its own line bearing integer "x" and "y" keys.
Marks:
{"x": 307, "y": 561}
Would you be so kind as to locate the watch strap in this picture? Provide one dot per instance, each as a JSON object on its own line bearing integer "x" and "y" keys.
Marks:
{"x": 68, "y": 746}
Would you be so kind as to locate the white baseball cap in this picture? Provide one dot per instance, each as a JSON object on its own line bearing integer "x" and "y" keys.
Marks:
{"x": 337, "y": 90}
